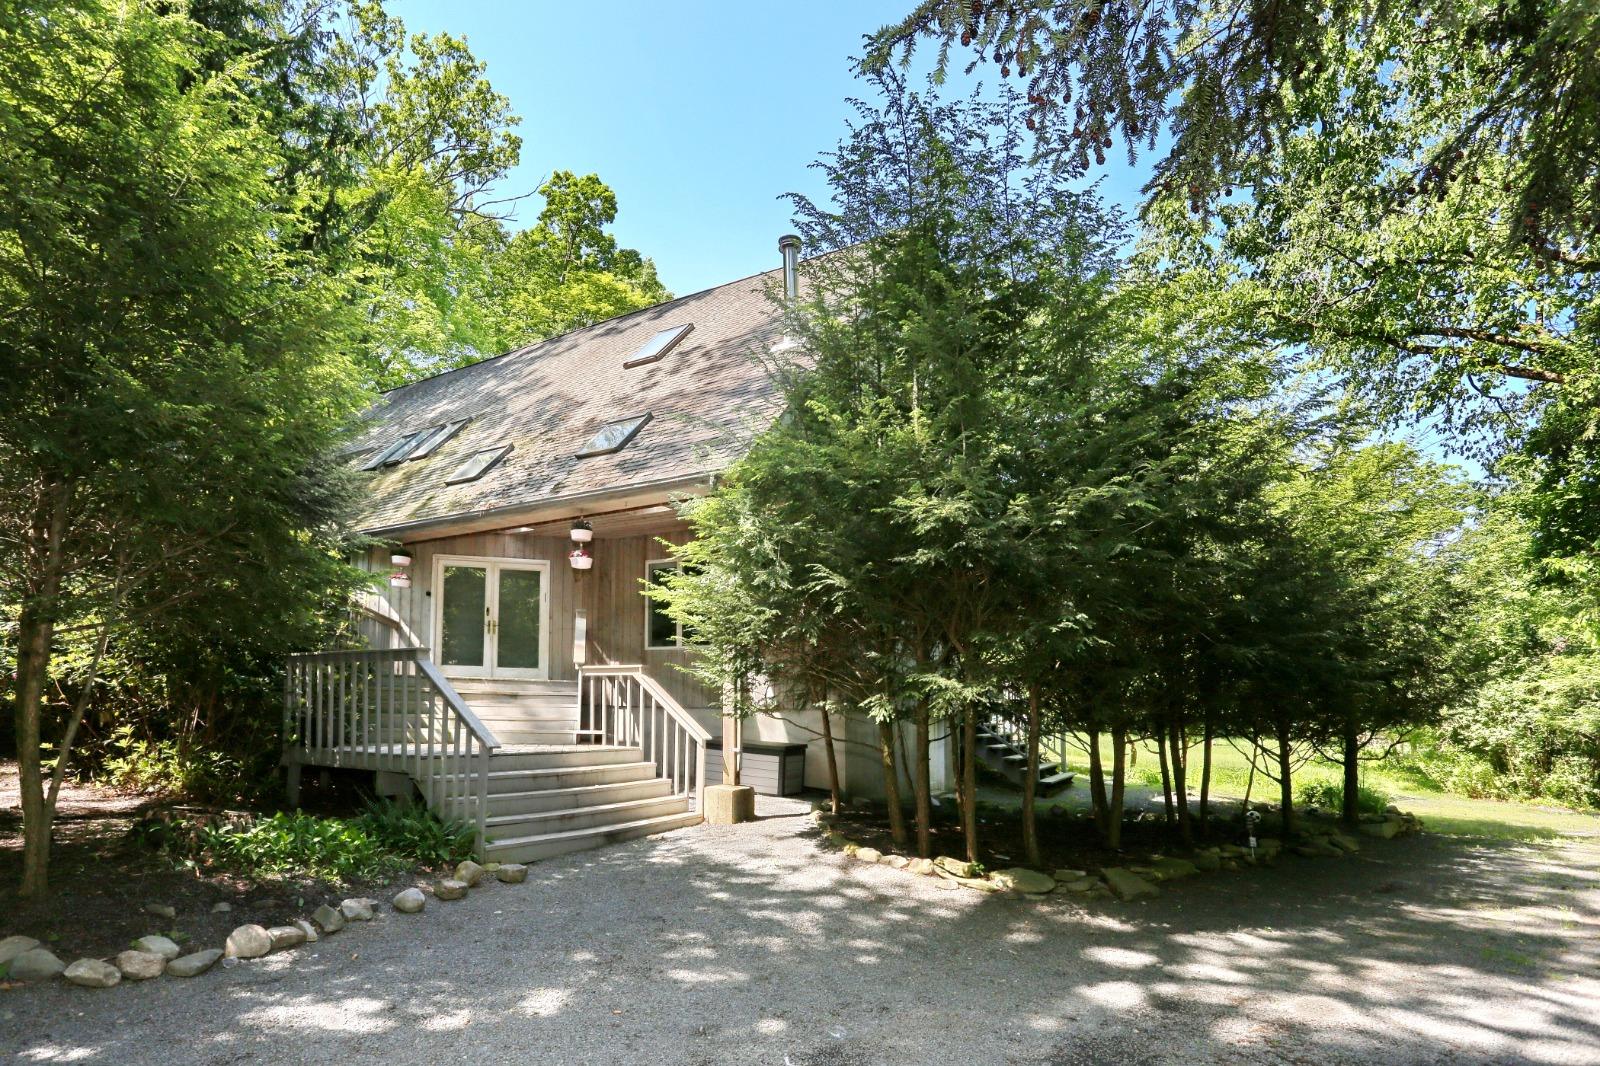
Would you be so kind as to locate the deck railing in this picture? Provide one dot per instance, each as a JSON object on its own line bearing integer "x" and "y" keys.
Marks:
{"x": 390, "y": 710}
{"x": 625, "y": 705}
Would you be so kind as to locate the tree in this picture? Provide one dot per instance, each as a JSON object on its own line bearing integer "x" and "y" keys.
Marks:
{"x": 173, "y": 384}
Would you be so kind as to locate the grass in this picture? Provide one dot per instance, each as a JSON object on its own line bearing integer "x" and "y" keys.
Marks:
{"x": 1441, "y": 812}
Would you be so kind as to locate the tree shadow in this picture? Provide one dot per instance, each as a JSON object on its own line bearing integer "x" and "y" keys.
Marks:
{"x": 749, "y": 944}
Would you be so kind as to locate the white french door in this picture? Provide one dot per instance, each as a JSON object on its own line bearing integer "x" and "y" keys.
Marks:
{"x": 491, "y": 617}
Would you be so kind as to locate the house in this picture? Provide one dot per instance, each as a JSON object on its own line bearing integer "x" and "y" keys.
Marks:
{"x": 519, "y": 676}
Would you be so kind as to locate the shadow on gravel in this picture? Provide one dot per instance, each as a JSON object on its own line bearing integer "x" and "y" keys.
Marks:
{"x": 748, "y": 946}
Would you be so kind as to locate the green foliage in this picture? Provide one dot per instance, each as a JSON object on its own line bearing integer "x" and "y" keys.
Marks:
{"x": 386, "y": 839}
{"x": 1329, "y": 795}
{"x": 219, "y": 774}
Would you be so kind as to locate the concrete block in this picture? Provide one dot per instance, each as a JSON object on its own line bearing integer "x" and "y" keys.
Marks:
{"x": 730, "y": 804}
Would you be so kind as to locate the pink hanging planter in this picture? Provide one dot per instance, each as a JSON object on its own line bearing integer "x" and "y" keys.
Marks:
{"x": 580, "y": 558}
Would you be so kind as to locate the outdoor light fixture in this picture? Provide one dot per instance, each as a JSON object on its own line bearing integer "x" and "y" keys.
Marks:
{"x": 580, "y": 558}
{"x": 582, "y": 532}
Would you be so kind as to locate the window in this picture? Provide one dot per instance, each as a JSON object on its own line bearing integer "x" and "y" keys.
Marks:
{"x": 657, "y": 346}
{"x": 394, "y": 452}
{"x": 432, "y": 438}
{"x": 660, "y": 631}
{"x": 614, "y": 436}
{"x": 477, "y": 464}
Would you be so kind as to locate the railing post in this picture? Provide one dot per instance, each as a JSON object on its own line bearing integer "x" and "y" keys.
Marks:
{"x": 700, "y": 778}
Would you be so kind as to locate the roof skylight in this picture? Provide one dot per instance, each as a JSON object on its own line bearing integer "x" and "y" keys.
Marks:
{"x": 478, "y": 464}
{"x": 614, "y": 436}
{"x": 435, "y": 437}
{"x": 658, "y": 346}
{"x": 394, "y": 452}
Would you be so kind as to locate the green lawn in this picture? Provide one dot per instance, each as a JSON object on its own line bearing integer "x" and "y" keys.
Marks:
{"x": 1441, "y": 812}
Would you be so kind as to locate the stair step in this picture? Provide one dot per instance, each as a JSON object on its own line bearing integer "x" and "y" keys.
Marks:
{"x": 563, "y": 777}
{"x": 589, "y": 755}
{"x": 543, "y": 823}
{"x": 559, "y": 799}
{"x": 543, "y": 846}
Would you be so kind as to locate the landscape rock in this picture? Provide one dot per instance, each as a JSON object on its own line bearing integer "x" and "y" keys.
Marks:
{"x": 920, "y": 866}
{"x": 409, "y": 900}
{"x": 898, "y": 862}
{"x": 158, "y": 945}
{"x": 450, "y": 888}
{"x": 221, "y": 907}
{"x": 1385, "y": 830}
{"x": 1207, "y": 860}
{"x": 469, "y": 873}
{"x": 511, "y": 873}
{"x": 312, "y": 936}
{"x": 92, "y": 973}
{"x": 194, "y": 964}
{"x": 1081, "y": 885}
{"x": 286, "y": 936}
{"x": 869, "y": 854}
{"x": 161, "y": 910}
{"x": 1128, "y": 885}
{"x": 327, "y": 919}
{"x": 1344, "y": 842}
{"x": 140, "y": 965}
{"x": 958, "y": 868}
{"x": 35, "y": 964}
{"x": 12, "y": 946}
{"x": 1171, "y": 869}
{"x": 1071, "y": 875}
{"x": 1021, "y": 879}
{"x": 248, "y": 942}
{"x": 358, "y": 909}
{"x": 1315, "y": 848}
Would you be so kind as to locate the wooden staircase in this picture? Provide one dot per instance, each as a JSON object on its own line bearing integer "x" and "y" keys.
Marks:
{"x": 1003, "y": 751}
{"x": 523, "y": 712}
{"x": 549, "y": 800}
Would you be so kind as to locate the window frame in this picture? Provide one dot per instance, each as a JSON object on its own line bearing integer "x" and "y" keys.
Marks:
{"x": 435, "y": 437}
{"x": 678, "y": 333}
{"x": 458, "y": 477}
{"x": 679, "y": 642}
{"x": 589, "y": 451}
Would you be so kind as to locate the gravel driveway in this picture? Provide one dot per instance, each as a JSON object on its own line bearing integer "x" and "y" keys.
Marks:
{"x": 748, "y": 945}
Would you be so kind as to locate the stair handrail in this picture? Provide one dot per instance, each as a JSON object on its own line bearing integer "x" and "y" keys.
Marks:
{"x": 390, "y": 709}
{"x": 617, "y": 717}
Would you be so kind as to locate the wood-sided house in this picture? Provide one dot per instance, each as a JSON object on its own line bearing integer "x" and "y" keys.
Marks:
{"x": 518, "y": 686}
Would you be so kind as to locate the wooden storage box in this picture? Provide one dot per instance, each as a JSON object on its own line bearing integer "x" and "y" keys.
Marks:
{"x": 771, "y": 769}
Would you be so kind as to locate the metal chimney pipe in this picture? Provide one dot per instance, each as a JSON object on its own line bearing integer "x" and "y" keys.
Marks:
{"x": 789, "y": 247}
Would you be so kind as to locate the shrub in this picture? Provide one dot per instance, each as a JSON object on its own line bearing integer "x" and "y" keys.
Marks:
{"x": 1329, "y": 795}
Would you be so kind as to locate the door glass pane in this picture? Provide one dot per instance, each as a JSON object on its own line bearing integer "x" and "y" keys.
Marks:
{"x": 465, "y": 596}
{"x": 663, "y": 631}
{"x": 518, "y": 646}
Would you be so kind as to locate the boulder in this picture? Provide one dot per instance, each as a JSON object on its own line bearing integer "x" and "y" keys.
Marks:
{"x": 286, "y": 936}
{"x": 1315, "y": 848}
{"x": 1385, "y": 830}
{"x": 511, "y": 873}
{"x": 358, "y": 909}
{"x": 161, "y": 910}
{"x": 1071, "y": 875}
{"x": 312, "y": 936}
{"x": 450, "y": 888}
{"x": 1207, "y": 860}
{"x": 469, "y": 873}
{"x": 869, "y": 854}
{"x": 35, "y": 964}
{"x": 1081, "y": 885}
{"x": 1128, "y": 885}
{"x": 194, "y": 964}
{"x": 958, "y": 868}
{"x": 221, "y": 907}
{"x": 140, "y": 965}
{"x": 920, "y": 866}
{"x": 1170, "y": 869}
{"x": 898, "y": 862}
{"x": 1021, "y": 879}
{"x": 12, "y": 946}
{"x": 158, "y": 945}
{"x": 248, "y": 942}
{"x": 409, "y": 900}
{"x": 979, "y": 884}
{"x": 1344, "y": 842}
{"x": 328, "y": 919}
{"x": 92, "y": 973}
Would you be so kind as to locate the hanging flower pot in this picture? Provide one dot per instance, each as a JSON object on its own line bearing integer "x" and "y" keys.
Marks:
{"x": 400, "y": 579}
{"x": 400, "y": 557}
{"x": 582, "y": 532}
{"x": 580, "y": 558}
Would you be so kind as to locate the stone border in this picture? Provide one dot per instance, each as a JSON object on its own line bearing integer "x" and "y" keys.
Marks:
{"x": 22, "y": 958}
{"x": 1136, "y": 880}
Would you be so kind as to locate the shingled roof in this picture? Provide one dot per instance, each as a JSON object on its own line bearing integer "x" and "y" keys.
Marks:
{"x": 706, "y": 398}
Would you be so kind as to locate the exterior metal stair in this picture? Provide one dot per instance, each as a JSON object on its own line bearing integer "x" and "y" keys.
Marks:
{"x": 1007, "y": 755}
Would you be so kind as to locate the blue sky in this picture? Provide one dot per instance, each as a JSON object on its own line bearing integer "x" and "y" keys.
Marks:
{"x": 699, "y": 114}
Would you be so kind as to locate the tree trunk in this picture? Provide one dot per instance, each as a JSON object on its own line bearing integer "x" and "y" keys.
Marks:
{"x": 1166, "y": 776}
{"x": 1285, "y": 784}
{"x": 919, "y": 783}
{"x": 1351, "y": 813}
{"x": 891, "y": 784}
{"x": 833, "y": 760}
{"x": 969, "y": 779}
{"x": 1180, "y": 785}
{"x": 1030, "y": 782}
{"x": 1119, "y": 773}
{"x": 1205, "y": 780}
{"x": 35, "y": 628}
{"x": 1097, "y": 782}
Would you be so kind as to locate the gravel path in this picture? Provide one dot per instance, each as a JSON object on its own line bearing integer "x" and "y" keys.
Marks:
{"x": 748, "y": 945}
